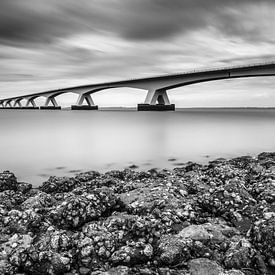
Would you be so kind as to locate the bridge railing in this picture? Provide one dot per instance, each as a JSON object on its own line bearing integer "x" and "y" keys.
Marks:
{"x": 207, "y": 69}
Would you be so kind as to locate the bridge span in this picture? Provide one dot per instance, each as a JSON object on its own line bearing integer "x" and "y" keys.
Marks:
{"x": 156, "y": 87}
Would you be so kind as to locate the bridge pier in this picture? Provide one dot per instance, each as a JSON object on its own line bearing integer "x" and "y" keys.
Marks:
{"x": 81, "y": 99}
{"x": 156, "y": 100}
{"x": 7, "y": 104}
{"x": 54, "y": 106}
{"x": 17, "y": 102}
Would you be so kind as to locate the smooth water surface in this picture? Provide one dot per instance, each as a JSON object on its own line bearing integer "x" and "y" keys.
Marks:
{"x": 36, "y": 144}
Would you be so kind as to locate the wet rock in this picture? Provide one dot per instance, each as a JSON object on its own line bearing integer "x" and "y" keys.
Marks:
{"x": 23, "y": 221}
{"x": 263, "y": 238}
{"x": 87, "y": 176}
{"x": 145, "y": 200}
{"x": 203, "y": 266}
{"x": 8, "y": 181}
{"x": 133, "y": 253}
{"x": 24, "y": 187}
{"x": 59, "y": 185}
{"x": 240, "y": 254}
{"x": 39, "y": 200}
{"x": 12, "y": 199}
{"x": 76, "y": 210}
{"x": 196, "y": 219}
{"x": 119, "y": 270}
{"x": 229, "y": 200}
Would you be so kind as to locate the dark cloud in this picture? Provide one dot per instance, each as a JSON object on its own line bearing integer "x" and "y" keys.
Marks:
{"x": 39, "y": 21}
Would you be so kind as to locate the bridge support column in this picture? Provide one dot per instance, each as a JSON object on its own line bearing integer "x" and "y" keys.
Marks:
{"x": 47, "y": 106}
{"x": 7, "y": 104}
{"x": 81, "y": 99}
{"x": 17, "y": 102}
{"x": 156, "y": 100}
{"x": 30, "y": 104}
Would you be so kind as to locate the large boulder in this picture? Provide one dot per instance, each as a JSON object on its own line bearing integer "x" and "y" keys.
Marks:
{"x": 204, "y": 266}
{"x": 263, "y": 238}
{"x": 59, "y": 185}
{"x": 76, "y": 210}
{"x": 8, "y": 181}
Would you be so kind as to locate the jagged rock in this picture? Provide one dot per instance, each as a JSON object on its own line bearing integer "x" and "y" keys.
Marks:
{"x": 39, "y": 200}
{"x": 145, "y": 200}
{"x": 23, "y": 221}
{"x": 203, "y": 266}
{"x": 263, "y": 238}
{"x": 76, "y": 210}
{"x": 8, "y": 181}
{"x": 133, "y": 253}
{"x": 12, "y": 199}
{"x": 87, "y": 176}
{"x": 24, "y": 187}
{"x": 59, "y": 185}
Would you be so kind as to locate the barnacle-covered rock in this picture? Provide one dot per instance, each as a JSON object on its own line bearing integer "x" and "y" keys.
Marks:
{"x": 24, "y": 187}
{"x": 229, "y": 200}
{"x": 264, "y": 190}
{"x": 96, "y": 244}
{"x": 87, "y": 176}
{"x": 263, "y": 238}
{"x": 240, "y": 254}
{"x": 59, "y": 185}
{"x": 14, "y": 253}
{"x": 49, "y": 253}
{"x": 145, "y": 199}
{"x": 12, "y": 199}
{"x": 8, "y": 181}
{"x": 202, "y": 266}
{"x": 77, "y": 210}
{"x": 133, "y": 253}
{"x": 23, "y": 221}
{"x": 39, "y": 200}
{"x": 206, "y": 240}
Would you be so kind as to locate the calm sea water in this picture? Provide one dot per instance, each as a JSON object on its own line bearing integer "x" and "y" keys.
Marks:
{"x": 36, "y": 144}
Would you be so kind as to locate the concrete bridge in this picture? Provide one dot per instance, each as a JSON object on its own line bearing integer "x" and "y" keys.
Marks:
{"x": 156, "y": 99}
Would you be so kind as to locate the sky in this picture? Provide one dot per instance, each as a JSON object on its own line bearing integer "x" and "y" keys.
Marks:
{"x": 61, "y": 43}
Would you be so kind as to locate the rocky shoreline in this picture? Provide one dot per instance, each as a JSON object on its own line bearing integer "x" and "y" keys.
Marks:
{"x": 215, "y": 219}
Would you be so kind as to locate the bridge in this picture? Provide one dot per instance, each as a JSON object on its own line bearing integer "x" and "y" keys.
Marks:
{"x": 156, "y": 87}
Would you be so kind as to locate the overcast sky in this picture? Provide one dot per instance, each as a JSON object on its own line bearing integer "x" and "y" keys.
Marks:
{"x": 46, "y": 44}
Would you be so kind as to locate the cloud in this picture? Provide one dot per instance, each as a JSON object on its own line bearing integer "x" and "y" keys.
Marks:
{"x": 39, "y": 21}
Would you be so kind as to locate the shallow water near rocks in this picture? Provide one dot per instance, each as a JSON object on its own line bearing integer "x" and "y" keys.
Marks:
{"x": 36, "y": 144}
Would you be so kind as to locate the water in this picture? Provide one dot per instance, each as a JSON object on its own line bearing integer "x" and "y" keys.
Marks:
{"x": 36, "y": 144}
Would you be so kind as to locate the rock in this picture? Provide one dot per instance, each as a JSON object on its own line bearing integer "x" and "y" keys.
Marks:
{"x": 12, "y": 199}
{"x": 203, "y": 266}
{"x": 59, "y": 185}
{"x": 216, "y": 218}
{"x": 76, "y": 210}
{"x": 8, "y": 181}
{"x": 133, "y": 253}
{"x": 144, "y": 200}
{"x": 87, "y": 176}
{"x": 208, "y": 231}
{"x": 24, "y": 187}
{"x": 39, "y": 200}
{"x": 23, "y": 221}
{"x": 263, "y": 237}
